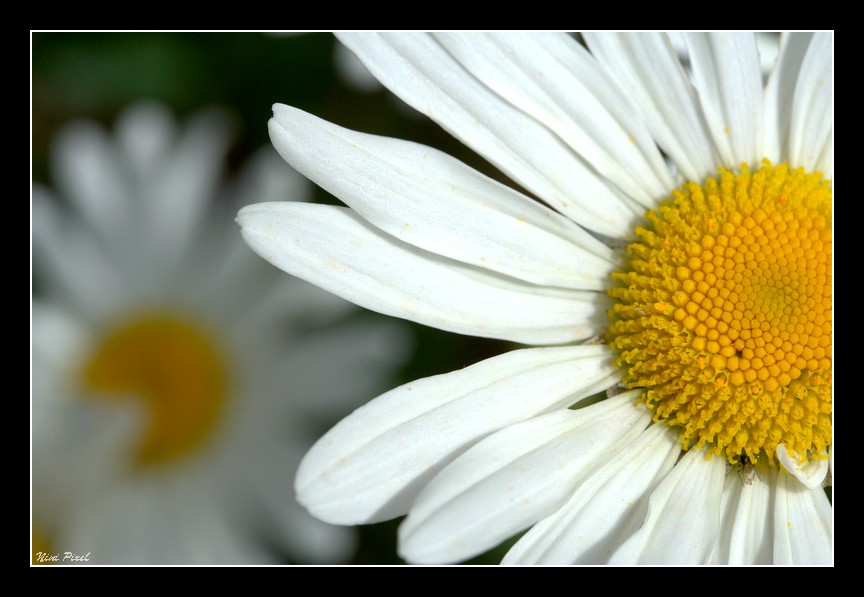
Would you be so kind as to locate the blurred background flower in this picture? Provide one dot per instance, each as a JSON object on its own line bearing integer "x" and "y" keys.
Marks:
{"x": 175, "y": 383}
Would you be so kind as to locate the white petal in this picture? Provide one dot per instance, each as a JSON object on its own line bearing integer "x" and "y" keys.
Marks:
{"x": 811, "y": 472}
{"x": 728, "y": 502}
{"x": 513, "y": 478}
{"x": 554, "y": 79}
{"x": 146, "y": 134}
{"x": 647, "y": 69}
{"x": 57, "y": 337}
{"x": 76, "y": 267}
{"x": 746, "y": 524}
{"x": 780, "y": 94}
{"x": 90, "y": 173}
{"x": 605, "y": 509}
{"x": 174, "y": 187}
{"x": 728, "y": 76}
{"x": 430, "y": 200}
{"x": 825, "y": 164}
{"x": 420, "y": 71}
{"x": 813, "y": 109}
{"x": 683, "y": 515}
{"x": 373, "y": 463}
{"x": 752, "y": 528}
{"x": 337, "y": 250}
{"x": 58, "y": 342}
{"x": 803, "y": 530}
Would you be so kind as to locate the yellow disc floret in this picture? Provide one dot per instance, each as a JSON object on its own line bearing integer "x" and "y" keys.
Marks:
{"x": 175, "y": 368}
{"x": 724, "y": 316}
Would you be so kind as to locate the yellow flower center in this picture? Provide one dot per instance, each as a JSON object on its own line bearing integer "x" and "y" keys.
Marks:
{"x": 724, "y": 315}
{"x": 175, "y": 368}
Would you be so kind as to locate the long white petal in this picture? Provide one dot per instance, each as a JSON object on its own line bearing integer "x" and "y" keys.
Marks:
{"x": 58, "y": 340}
{"x": 780, "y": 94}
{"x": 372, "y": 464}
{"x": 683, "y": 515}
{"x": 812, "y": 116}
{"x": 825, "y": 163}
{"x": 90, "y": 173}
{"x": 728, "y": 76}
{"x": 746, "y": 524}
{"x": 646, "y": 67}
{"x": 605, "y": 509}
{"x": 752, "y": 529}
{"x": 803, "y": 530}
{"x": 336, "y": 249}
{"x": 420, "y": 71}
{"x": 728, "y": 502}
{"x": 94, "y": 286}
{"x": 176, "y": 172}
{"x": 513, "y": 478}
{"x": 554, "y": 79}
{"x": 431, "y": 200}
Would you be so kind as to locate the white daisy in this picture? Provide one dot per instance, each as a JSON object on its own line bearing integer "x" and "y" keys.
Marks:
{"x": 175, "y": 375}
{"x": 716, "y": 319}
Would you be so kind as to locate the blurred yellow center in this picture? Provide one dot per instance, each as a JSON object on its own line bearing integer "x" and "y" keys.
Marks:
{"x": 724, "y": 316}
{"x": 42, "y": 553}
{"x": 175, "y": 368}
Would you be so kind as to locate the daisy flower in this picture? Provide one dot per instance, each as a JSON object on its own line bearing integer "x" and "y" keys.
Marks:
{"x": 174, "y": 374}
{"x": 678, "y": 259}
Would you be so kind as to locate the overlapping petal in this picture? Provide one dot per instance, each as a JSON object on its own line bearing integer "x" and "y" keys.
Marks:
{"x": 812, "y": 118}
{"x": 371, "y": 466}
{"x": 683, "y": 515}
{"x": 605, "y": 509}
{"x": 728, "y": 78}
{"x": 666, "y": 99}
{"x": 428, "y": 199}
{"x": 515, "y": 477}
{"x": 799, "y": 108}
{"x": 336, "y": 249}
{"x": 555, "y": 80}
{"x": 420, "y": 71}
{"x": 745, "y": 536}
{"x": 802, "y": 523}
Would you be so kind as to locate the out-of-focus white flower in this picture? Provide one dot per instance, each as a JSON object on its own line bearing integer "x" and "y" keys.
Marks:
{"x": 717, "y": 319}
{"x": 176, "y": 379}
